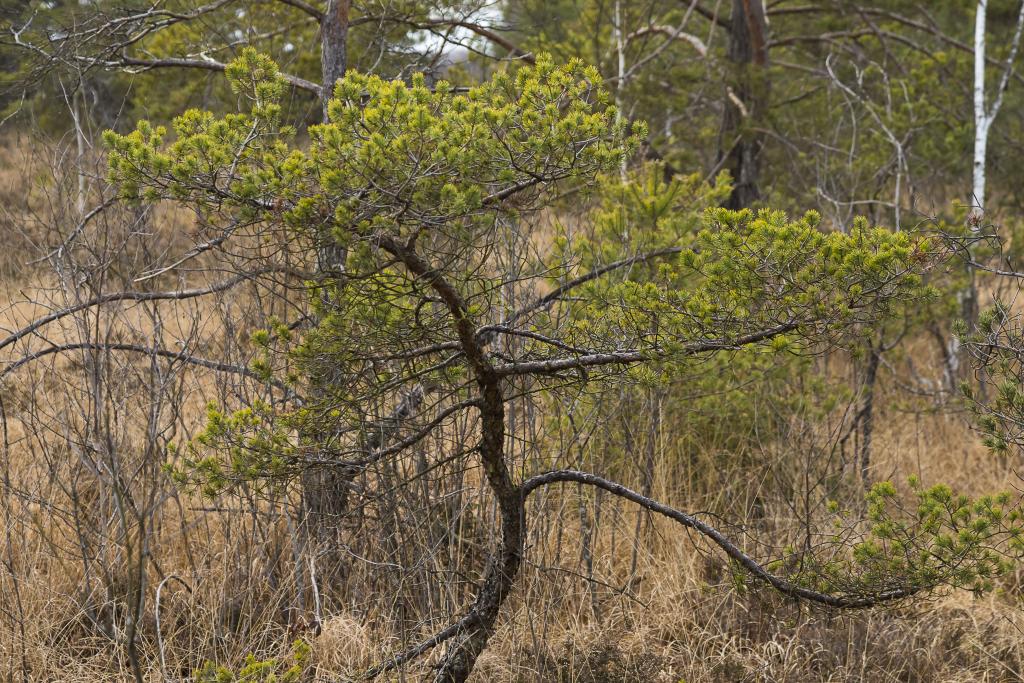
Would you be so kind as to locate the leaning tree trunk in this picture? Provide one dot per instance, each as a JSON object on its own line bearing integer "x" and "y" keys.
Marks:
{"x": 740, "y": 144}
{"x": 473, "y": 632}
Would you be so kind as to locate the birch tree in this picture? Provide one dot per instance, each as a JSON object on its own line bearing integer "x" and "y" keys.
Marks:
{"x": 986, "y": 108}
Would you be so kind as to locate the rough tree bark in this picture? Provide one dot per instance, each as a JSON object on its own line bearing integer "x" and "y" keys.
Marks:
{"x": 504, "y": 564}
{"x": 326, "y": 490}
{"x": 867, "y": 415}
{"x": 740, "y": 145}
{"x": 333, "y": 47}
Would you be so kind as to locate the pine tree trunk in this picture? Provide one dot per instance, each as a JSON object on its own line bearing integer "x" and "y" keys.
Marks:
{"x": 326, "y": 490}
{"x": 333, "y": 47}
{"x": 746, "y": 100}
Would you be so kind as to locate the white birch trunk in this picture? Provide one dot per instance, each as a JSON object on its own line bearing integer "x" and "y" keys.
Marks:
{"x": 985, "y": 114}
{"x": 620, "y": 82}
{"x": 80, "y": 141}
{"x": 982, "y": 118}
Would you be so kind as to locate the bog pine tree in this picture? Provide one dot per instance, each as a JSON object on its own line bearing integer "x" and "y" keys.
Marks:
{"x": 449, "y": 306}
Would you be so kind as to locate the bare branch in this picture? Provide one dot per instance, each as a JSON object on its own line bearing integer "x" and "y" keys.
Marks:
{"x": 86, "y": 219}
{"x": 181, "y": 356}
{"x": 671, "y": 34}
{"x": 190, "y": 254}
{"x": 731, "y": 549}
{"x": 628, "y": 357}
{"x": 208, "y": 64}
{"x": 483, "y": 32}
{"x": 412, "y": 653}
{"x": 561, "y": 290}
{"x": 305, "y": 7}
{"x": 172, "y": 295}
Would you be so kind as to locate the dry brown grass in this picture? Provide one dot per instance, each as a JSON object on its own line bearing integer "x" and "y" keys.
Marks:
{"x": 679, "y": 619}
{"x": 676, "y": 617}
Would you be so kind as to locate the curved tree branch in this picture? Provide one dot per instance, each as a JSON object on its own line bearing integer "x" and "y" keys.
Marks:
{"x": 718, "y": 538}
{"x": 561, "y": 290}
{"x": 483, "y": 32}
{"x": 305, "y": 7}
{"x": 756, "y": 569}
{"x": 208, "y": 64}
{"x": 671, "y": 33}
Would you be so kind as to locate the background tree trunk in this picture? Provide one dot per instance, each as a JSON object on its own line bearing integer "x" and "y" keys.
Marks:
{"x": 746, "y": 100}
{"x": 326, "y": 490}
{"x": 985, "y": 113}
{"x": 333, "y": 47}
